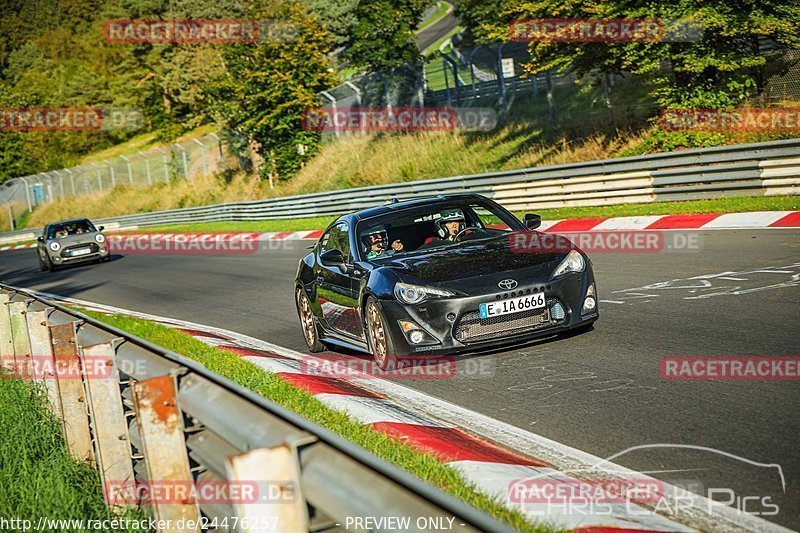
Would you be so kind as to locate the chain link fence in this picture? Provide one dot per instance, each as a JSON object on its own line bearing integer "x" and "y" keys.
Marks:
{"x": 186, "y": 160}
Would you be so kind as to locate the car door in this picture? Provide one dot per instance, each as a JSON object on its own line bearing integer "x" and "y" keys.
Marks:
{"x": 337, "y": 288}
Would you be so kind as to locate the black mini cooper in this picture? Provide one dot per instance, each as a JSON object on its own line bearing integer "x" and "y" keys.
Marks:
{"x": 440, "y": 275}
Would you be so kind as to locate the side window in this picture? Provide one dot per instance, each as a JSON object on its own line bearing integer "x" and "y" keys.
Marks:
{"x": 337, "y": 239}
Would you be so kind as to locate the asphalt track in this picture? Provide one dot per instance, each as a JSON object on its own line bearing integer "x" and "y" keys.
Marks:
{"x": 436, "y": 31}
{"x": 601, "y": 392}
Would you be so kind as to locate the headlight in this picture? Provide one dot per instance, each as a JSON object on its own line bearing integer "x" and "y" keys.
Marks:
{"x": 572, "y": 263}
{"x": 414, "y": 294}
{"x": 100, "y": 238}
{"x": 55, "y": 246}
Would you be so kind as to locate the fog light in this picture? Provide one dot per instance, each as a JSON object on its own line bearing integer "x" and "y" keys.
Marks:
{"x": 589, "y": 304}
{"x": 557, "y": 311}
{"x": 416, "y": 336}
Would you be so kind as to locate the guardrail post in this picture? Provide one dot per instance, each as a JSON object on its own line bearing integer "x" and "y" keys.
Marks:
{"x": 161, "y": 430}
{"x": 70, "y": 390}
{"x": 111, "y": 441}
{"x": 19, "y": 336}
{"x": 6, "y": 340}
{"x": 44, "y": 368}
{"x": 280, "y": 504}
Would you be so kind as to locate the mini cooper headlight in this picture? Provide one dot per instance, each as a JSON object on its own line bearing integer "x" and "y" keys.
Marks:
{"x": 414, "y": 294}
{"x": 100, "y": 238}
{"x": 572, "y": 263}
{"x": 55, "y": 246}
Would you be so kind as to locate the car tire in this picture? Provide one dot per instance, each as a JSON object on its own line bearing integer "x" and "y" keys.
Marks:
{"x": 50, "y": 266}
{"x": 379, "y": 340}
{"x": 42, "y": 266}
{"x": 307, "y": 322}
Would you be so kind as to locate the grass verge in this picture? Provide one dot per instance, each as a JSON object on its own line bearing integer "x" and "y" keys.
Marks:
{"x": 425, "y": 466}
{"x": 717, "y": 205}
{"x": 37, "y": 476}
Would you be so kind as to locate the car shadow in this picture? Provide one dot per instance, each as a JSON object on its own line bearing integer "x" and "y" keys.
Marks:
{"x": 61, "y": 282}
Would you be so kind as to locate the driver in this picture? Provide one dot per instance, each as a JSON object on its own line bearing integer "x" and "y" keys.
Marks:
{"x": 376, "y": 240}
{"x": 450, "y": 223}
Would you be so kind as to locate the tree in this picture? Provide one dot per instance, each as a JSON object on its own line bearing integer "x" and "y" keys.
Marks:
{"x": 336, "y": 16}
{"x": 718, "y": 70}
{"x": 267, "y": 88}
{"x": 384, "y": 36}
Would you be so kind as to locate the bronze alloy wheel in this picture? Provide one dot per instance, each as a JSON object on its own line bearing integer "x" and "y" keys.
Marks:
{"x": 377, "y": 335}
{"x": 307, "y": 322}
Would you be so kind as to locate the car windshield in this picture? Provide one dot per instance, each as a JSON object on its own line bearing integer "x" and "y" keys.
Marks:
{"x": 68, "y": 229}
{"x": 439, "y": 226}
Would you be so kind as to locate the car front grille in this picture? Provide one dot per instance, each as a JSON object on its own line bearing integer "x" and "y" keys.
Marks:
{"x": 67, "y": 252}
{"x": 473, "y": 328}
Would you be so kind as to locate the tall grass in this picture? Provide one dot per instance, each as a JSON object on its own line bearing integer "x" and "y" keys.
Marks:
{"x": 37, "y": 476}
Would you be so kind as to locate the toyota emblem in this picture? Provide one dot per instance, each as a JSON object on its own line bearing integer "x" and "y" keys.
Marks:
{"x": 507, "y": 284}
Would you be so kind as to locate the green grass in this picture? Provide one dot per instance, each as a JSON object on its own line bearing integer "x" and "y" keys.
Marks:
{"x": 432, "y": 49}
{"x": 717, "y": 205}
{"x": 37, "y": 476}
{"x": 246, "y": 374}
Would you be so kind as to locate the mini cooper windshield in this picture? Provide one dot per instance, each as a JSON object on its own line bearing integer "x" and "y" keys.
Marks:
{"x": 422, "y": 230}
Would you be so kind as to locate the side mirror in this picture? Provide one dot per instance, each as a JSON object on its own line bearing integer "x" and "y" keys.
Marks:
{"x": 40, "y": 239}
{"x": 532, "y": 221}
{"x": 332, "y": 258}
{"x": 101, "y": 228}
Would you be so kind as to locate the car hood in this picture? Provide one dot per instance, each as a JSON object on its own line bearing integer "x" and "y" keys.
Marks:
{"x": 473, "y": 265}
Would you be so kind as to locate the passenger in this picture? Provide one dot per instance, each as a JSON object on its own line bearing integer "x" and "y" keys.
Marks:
{"x": 376, "y": 240}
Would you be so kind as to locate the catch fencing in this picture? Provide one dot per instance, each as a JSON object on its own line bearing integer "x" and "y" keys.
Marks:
{"x": 154, "y": 418}
{"x": 758, "y": 169}
{"x": 202, "y": 156}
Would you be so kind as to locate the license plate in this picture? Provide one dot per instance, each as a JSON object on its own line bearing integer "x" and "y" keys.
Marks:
{"x": 512, "y": 305}
{"x": 81, "y": 251}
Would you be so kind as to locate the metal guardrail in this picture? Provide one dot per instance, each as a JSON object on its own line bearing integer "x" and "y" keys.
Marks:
{"x": 767, "y": 168}
{"x": 155, "y": 417}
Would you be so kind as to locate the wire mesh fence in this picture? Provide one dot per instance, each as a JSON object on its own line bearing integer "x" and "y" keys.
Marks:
{"x": 186, "y": 160}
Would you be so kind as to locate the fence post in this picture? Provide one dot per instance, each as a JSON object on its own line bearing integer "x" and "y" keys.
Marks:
{"x": 6, "y": 340}
{"x": 166, "y": 164}
{"x": 11, "y": 217}
{"x": 185, "y": 162}
{"x": 160, "y": 422}
{"x": 147, "y": 168}
{"x": 19, "y": 336}
{"x": 99, "y": 176}
{"x": 551, "y": 107}
{"x": 279, "y": 465}
{"x": 71, "y": 180}
{"x": 203, "y": 154}
{"x": 221, "y": 165}
{"x": 130, "y": 170}
{"x": 70, "y": 391}
{"x": 44, "y": 363}
{"x": 113, "y": 175}
{"x": 330, "y": 97}
{"x": 111, "y": 441}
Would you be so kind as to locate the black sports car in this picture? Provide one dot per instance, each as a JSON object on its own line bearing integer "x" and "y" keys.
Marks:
{"x": 440, "y": 275}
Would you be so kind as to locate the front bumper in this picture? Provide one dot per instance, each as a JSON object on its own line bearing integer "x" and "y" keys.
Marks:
{"x": 60, "y": 258}
{"x": 451, "y": 325}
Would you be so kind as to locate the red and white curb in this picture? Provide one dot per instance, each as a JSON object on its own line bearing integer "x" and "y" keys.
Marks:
{"x": 751, "y": 220}
{"x": 490, "y": 454}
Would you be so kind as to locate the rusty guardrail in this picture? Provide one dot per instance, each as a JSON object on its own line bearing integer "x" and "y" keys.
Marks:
{"x": 150, "y": 417}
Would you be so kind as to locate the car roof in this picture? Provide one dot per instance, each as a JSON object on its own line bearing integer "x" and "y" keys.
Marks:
{"x": 395, "y": 206}
{"x": 69, "y": 221}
